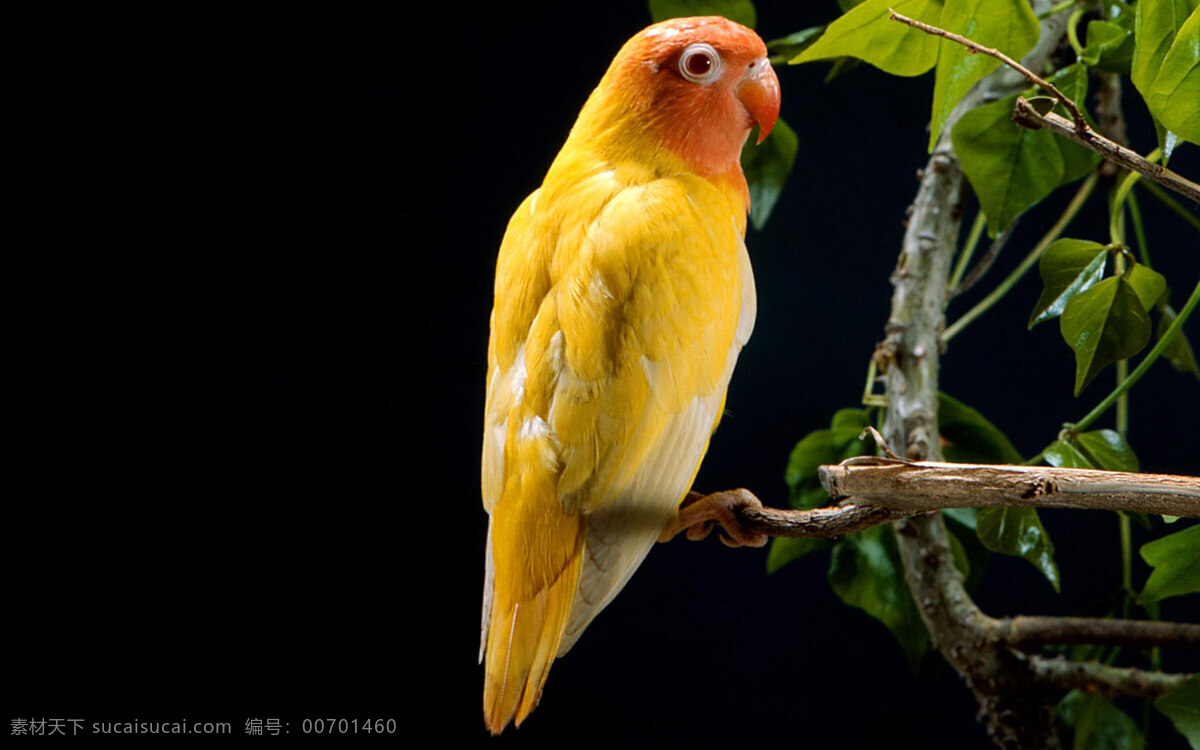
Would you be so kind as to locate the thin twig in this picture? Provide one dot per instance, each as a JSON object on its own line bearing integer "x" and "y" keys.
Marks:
{"x": 975, "y": 47}
{"x": 1166, "y": 199}
{"x": 985, "y": 262}
{"x": 1002, "y": 288}
{"x": 881, "y": 443}
{"x": 1025, "y": 115}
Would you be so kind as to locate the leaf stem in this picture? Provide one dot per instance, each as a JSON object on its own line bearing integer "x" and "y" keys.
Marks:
{"x": 1171, "y": 203}
{"x": 1139, "y": 230}
{"x": 1123, "y": 401}
{"x": 1073, "y": 32}
{"x": 1059, "y": 8}
{"x": 968, "y": 250}
{"x": 1116, "y": 227}
{"x": 983, "y": 305}
{"x": 869, "y": 397}
{"x": 1126, "y": 563}
{"x": 1144, "y": 365}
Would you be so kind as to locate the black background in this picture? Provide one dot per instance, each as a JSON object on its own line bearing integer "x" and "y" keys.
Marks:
{"x": 291, "y": 524}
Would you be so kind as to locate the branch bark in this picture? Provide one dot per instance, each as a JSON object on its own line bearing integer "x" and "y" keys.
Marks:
{"x": 931, "y": 485}
{"x": 1025, "y": 632}
{"x": 822, "y": 523}
{"x": 1060, "y": 674}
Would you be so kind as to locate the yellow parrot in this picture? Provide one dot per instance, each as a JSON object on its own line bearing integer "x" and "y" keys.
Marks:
{"x": 623, "y": 296}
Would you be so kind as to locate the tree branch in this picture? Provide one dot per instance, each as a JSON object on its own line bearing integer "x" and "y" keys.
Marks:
{"x": 931, "y": 485}
{"x": 1093, "y": 677}
{"x": 822, "y": 523}
{"x": 1025, "y": 632}
{"x": 975, "y": 47}
{"x": 985, "y": 263}
{"x": 1015, "y": 716}
{"x": 1025, "y": 115}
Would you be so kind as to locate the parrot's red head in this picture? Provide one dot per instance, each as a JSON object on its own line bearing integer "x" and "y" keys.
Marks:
{"x": 696, "y": 86}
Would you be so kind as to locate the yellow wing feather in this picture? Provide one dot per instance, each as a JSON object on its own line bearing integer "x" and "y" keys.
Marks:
{"x": 623, "y": 296}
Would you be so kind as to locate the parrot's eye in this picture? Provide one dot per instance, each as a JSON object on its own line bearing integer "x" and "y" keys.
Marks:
{"x": 700, "y": 63}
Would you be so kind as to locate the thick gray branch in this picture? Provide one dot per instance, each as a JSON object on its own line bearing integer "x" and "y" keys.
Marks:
{"x": 930, "y": 485}
{"x": 1017, "y": 715}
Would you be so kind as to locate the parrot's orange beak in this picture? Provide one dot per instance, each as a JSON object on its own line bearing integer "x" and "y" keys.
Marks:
{"x": 758, "y": 91}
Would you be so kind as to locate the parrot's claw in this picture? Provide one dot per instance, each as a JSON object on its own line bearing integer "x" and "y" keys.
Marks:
{"x": 699, "y": 514}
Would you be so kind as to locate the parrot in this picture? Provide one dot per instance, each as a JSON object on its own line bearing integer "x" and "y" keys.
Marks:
{"x": 623, "y": 296}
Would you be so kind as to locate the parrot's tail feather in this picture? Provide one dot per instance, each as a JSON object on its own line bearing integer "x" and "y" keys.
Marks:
{"x": 522, "y": 641}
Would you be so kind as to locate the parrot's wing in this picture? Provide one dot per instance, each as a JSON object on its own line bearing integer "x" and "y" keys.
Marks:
{"x": 652, "y": 316}
{"x": 617, "y": 322}
{"x": 522, "y": 282}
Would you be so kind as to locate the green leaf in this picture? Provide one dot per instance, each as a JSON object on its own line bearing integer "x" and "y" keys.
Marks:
{"x": 841, "y": 66}
{"x": 1019, "y": 532}
{"x": 1176, "y": 562}
{"x": 1173, "y": 96}
{"x": 1182, "y": 707}
{"x": 1010, "y": 168}
{"x": 1007, "y": 25}
{"x": 793, "y": 44}
{"x": 1109, "y": 46}
{"x": 865, "y": 571}
{"x": 767, "y": 167}
{"x": 1148, "y": 283}
{"x": 1102, "y": 325}
{"x": 1166, "y": 63}
{"x": 783, "y": 550}
{"x": 1094, "y": 723}
{"x": 814, "y": 450}
{"x": 867, "y": 33}
{"x": 850, "y": 419}
{"x": 741, "y": 11}
{"x": 969, "y": 437}
{"x": 1106, "y": 449}
{"x": 1179, "y": 351}
{"x": 1066, "y": 456}
{"x": 1068, "y": 267}
{"x": 1077, "y": 160}
{"x": 804, "y": 485}
{"x": 1167, "y": 141}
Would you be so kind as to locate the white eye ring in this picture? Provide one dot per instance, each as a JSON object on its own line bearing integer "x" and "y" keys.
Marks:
{"x": 700, "y": 63}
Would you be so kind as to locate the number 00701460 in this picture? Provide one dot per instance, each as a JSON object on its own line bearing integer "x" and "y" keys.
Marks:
{"x": 348, "y": 726}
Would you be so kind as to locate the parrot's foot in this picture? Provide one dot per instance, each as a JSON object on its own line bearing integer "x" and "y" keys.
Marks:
{"x": 698, "y": 514}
